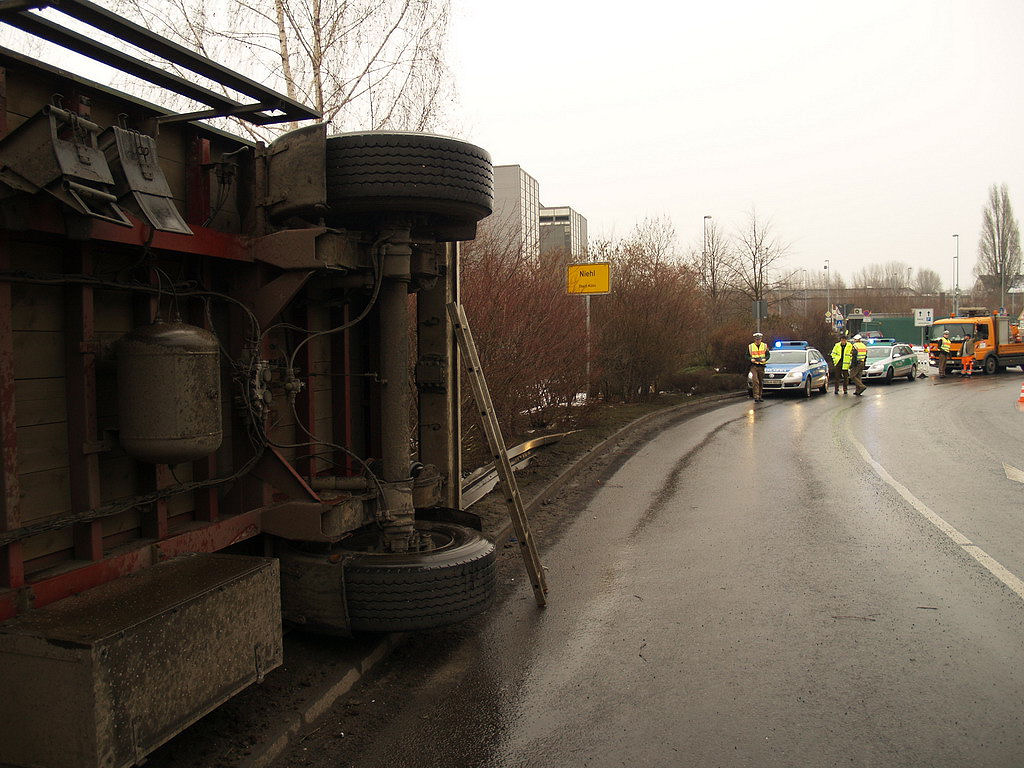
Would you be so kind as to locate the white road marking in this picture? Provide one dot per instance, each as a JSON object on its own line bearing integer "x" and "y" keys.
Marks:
{"x": 988, "y": 562}
{"x": 1012, "y": 473}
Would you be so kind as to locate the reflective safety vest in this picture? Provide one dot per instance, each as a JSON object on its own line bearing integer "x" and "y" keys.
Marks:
{"x": 844, "y": 352}
{"x": 860, "y": 352}
{"x": 758, "y": 353}
{"x": 944, "y": 346}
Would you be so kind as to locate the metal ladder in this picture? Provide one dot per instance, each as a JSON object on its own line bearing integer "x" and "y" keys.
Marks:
{"x": 513, "y": 500}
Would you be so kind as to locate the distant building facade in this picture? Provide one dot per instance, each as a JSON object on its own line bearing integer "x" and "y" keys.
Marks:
{"x": 563, "y": 230}
{"x": 516, "y": 208}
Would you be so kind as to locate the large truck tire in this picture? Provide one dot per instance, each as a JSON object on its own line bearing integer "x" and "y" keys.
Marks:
{"x": 371, "y": 175}
{"x": 353, "y": 588}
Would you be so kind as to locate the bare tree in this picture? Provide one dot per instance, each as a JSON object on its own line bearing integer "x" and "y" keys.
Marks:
{"x": 758, "y": 251}
{"x": 366, "y": 64}
{"x": 646, "y": 325}
{"x": 999, "y": 256}
{"x": 714, "y": 265}
{"x": 890, "y": 277}
{"x": 832, "y": 279}
{"x": 529, "y": 333}
{"x": 927, "y": 282}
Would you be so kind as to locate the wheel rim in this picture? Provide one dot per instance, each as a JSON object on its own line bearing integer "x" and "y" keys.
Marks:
{"x": 368, "y": 542}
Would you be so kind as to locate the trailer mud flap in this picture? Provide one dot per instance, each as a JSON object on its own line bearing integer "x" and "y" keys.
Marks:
{"x": 56, "y": 151}
{"x": 133, "y": 160}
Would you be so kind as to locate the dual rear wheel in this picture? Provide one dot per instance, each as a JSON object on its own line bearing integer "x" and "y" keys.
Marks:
{"x": 352, "y": 586}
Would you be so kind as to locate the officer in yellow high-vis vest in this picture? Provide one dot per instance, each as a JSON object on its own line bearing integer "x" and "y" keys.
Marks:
{"x": 758, "y": 353}
{"x": 842, "y": 359}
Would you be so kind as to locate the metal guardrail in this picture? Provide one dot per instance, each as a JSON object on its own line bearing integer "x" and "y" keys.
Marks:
{"x": 481, "y": 481}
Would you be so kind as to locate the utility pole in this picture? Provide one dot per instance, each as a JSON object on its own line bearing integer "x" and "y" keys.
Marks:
{"x": 704, "y": 258}
{"x": 828, "y": 297}
{"x": 802, "y": 269}
{"x": 956, "y": 278}
{"x": 1002, "y": 287}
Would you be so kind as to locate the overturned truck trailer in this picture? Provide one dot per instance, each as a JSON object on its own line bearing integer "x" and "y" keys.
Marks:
{"x": 228, "y": 393}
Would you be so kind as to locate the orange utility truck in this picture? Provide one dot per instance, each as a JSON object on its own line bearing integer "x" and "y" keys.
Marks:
{"x": 997, "y": 341}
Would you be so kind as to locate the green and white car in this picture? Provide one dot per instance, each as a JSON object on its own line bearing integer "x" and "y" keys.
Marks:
{"x": 888, "y": 359}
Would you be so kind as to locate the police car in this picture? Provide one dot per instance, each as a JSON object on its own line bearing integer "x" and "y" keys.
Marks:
{"x": 794, "y": 366}
{"x": 888, "y": 360}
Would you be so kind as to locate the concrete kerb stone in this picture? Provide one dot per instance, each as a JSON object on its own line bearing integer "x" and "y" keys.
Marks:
{"x": 309, "y": 711}
{"x": 279, "y": 738}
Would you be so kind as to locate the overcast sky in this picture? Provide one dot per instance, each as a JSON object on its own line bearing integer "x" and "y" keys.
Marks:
{"x": 865, "y": 132}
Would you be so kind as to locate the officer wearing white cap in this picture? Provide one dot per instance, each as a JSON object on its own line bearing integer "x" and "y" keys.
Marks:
{"x": 860, "y": 356}
{"x": 758, "y": 354}
{"x": 942, "y": 353}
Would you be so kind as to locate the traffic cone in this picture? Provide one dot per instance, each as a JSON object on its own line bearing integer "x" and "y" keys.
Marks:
{"x": 1020, "y": 400}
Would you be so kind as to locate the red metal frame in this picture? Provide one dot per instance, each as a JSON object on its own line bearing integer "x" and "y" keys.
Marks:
{"x": 3, "y": 102}
{"x": 207, "y": 538}
{"x": 46, "y": 217}
{"x": 341, "y": 368}
{"x": 197, "y": 182}
{"x": 12, "y": 573}
{"x": 306, "y": 405}
{"x": 83, "y": 444}
{"x": 203, "y": 241}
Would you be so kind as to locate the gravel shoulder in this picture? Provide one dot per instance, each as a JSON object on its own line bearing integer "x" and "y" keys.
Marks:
{"x": 320, "y": 702}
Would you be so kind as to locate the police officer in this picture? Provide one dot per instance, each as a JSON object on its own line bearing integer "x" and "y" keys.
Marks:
{"x": 842, "y": 358}
{"x": 943, "y": 352}
{"x": 758, "y": 353}
{"x": 860, "y": 356}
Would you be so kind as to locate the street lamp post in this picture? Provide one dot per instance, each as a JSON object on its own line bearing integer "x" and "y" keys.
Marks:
{"x": 704, "y": 255}
{"x": 956, "y": 278}
{"x": 1002, "y": 288}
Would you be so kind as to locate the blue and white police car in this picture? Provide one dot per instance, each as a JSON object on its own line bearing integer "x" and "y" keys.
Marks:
{"x": 794, "y": 366}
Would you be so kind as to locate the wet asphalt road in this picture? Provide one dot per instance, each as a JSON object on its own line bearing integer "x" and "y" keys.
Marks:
{"x": 794, "y": 583}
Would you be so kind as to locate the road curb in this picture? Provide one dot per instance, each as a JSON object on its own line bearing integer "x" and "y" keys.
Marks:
{"x": 278, "y": 739}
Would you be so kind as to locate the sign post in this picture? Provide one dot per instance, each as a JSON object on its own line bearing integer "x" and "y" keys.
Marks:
{"x": 588, "y": 279}
{"x": 760, "y": 311}
{"x": 923, "y": 318}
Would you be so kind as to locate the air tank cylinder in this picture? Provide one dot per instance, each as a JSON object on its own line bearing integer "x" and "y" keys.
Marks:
{"x": 168, "y": 391}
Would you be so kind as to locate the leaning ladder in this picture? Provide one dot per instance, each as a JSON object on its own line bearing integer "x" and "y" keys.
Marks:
{"x": 513, "y": 500}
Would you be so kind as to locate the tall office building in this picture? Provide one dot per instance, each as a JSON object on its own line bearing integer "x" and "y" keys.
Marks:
{"x": 563, "y": 230}
{"x": 516, "y": 208}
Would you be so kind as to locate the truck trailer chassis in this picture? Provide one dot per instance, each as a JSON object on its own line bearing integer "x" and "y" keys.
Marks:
{"x": 229, "y": 394}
